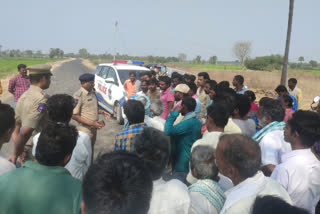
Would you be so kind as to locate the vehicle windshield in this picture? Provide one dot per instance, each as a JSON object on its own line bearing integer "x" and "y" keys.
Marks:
{"x": 124, "y": 74}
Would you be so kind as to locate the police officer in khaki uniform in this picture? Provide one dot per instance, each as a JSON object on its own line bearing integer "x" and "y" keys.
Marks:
{"x": 86, "y": 110}
{"x": 31, "y": 115}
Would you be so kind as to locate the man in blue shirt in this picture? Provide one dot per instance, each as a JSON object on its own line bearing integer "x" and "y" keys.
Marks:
{"x": 282, "y": 90}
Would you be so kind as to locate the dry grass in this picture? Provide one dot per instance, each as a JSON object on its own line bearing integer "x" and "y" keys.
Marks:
{"x": 263, "y": 83}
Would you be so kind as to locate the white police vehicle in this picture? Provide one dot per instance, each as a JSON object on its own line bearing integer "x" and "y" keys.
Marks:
{"x": 109, "y": 80}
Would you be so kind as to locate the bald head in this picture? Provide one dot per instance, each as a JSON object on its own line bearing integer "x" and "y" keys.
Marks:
{"x": 241, "y": 153}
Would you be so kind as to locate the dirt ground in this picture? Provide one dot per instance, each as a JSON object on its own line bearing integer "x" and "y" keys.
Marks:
{"x": 263, "y": 83}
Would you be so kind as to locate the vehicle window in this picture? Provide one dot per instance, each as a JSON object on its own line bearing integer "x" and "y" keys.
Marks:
{"x": 112, "y": 76}
{"x": 124, "y": 74}
{"x": 98, "y": 70}
{"x": 104, "y": 72}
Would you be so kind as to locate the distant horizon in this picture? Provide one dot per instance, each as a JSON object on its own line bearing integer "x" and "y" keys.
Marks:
{"x": 167, "y": 28}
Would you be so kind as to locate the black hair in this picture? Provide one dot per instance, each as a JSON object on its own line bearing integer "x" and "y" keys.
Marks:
{"x": 212, "y": 84}
{"x": 35, "y": 78}
{"x": 117, "y": 183}
{"x": 272, "y": 204}
{"x": 134, "y": 110}
{"x": 21, "y": 66}
{"x": 174, "y": 74}
{"x": 264, "y": 100}
{"x": 56, "y": 141}
{"x": 205, "y": 75}
{"x": 288, "y": 99}
{"x": 165, "y": 79}
{"x": 153, "y": 147}
{"x": 307, "y": 125}
{"x": 250, "y": 94}
{"x": 218, "y": 114}
{"x": 223, "y": 84}
{"x": 293, "y": 80}
{"x": 242, "y": 104}
{"x": 243, "y": 153}
{"x": 153, "y": 81}
{"x": 192, "y": 78}
{"x": 178, "y": 76}
{"x": 148, "y": 73}
{"x": 273, "y": 109}
{"x": 239, "y": 78}
{"x": 60, "y": 107}
{"x": 132, "y": 73}
{"x": 227, "y": 99}
{"x": 189, "y": 102}
{"x": 281, "y": 88}
{"x": 153, "y": 73}
{"x": 192, "y": 86}
{"x": 146, "y": 81}
{"x": 7, "y": 120}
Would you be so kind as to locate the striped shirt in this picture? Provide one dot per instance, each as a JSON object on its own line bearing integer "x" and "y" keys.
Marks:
{"x": 18, "y": 85}
{"x": 124, "y": 138}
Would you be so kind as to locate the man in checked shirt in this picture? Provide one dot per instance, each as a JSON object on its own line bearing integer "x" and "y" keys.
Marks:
{"x": 19, "y": 83}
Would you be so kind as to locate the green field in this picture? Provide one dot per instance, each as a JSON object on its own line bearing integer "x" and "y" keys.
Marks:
{"x": 210, "y": 66}
{"x": 8, "y": 65}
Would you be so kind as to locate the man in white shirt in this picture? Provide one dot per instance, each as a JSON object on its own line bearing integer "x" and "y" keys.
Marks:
{"x": 171, "y": 197}
{"x": 206, "y": 195}
{"x": 156, "y": 121}
{"x": 217, "y": 119}
{"x": 270, "y": 137}
{"x": 60, "y": 109}
{"x": 239, "y": 116}
{"x": 299, "y": 171}
{"x": 7, "y": 125}
{"x": 239, "y": 158}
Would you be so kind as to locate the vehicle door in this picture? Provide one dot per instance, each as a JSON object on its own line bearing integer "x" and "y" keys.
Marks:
{"x": 101, "y": 86}
{"x": 113, "y": 90}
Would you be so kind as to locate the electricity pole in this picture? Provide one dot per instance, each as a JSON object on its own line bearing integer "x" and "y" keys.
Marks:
{"x": 114, "y": 40}
{"x": 286, "y": 53}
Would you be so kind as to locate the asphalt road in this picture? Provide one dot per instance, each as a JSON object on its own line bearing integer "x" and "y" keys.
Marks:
{"x": 65, "y": 80}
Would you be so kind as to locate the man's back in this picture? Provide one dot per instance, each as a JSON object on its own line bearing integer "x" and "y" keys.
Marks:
{"x": 36, "y": 188}
{"x": 169, "y": 197}
{"x": 241, "y": 197}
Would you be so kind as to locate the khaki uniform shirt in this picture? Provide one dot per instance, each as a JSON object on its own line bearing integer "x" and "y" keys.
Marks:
{"x": 298, "y": 96}
{"x": 87, "y": 108}
{"x": 31, "y": 110}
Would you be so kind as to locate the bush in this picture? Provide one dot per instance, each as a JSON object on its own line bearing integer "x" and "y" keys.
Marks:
{"x": 273, "y": 62}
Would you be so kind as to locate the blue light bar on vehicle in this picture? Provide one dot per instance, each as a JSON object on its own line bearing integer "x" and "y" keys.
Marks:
{"x": 137, "y": 62}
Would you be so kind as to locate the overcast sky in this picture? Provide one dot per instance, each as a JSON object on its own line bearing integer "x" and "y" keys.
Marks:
{"x": 163, "y": 27}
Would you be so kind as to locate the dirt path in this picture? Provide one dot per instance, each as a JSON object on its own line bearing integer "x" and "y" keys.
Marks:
{"x": 65, "y": 80}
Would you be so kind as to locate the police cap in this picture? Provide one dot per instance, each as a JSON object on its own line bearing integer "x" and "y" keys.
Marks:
{"x": 86, "y": 77}
{"x": 39, "y": 69}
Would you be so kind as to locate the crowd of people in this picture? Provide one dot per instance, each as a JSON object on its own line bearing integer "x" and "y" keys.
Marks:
{"x": 187, "y": 146}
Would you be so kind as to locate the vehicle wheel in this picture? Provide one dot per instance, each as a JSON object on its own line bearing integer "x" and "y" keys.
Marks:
{"x": 117, "y": 113}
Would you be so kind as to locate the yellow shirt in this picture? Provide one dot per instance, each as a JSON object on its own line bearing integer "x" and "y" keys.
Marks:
{"x": 298, "y": 96}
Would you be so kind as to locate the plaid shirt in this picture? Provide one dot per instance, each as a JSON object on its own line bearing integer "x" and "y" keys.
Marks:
{"x": 124, "y": 138}
{"x": 18, "y": 85}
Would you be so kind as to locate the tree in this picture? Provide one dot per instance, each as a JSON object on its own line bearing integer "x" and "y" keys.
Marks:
{"x": 242, "y": 50}
{"x": 38, "y": 53}
{"x": 313, "y": 63}
{"x": 286, "y": 52}
{"x": 301, "y": 59}
{"x": 28, "y": 53}
{"x": 197, "y": 60}
{"x": 83, "y": 53}
{"x": 213, "y": 60}
{"x": 182, "y": 57}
